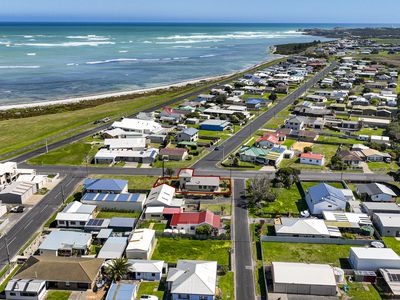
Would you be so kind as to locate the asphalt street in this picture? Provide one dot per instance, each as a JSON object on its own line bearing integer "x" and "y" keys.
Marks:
{"x": 228, "y": 146}
{"x": 244, "y": 269}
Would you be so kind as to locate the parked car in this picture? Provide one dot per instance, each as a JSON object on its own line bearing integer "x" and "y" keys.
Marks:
{"x": 17, "y": 209}
{"x": 148, "y": 297}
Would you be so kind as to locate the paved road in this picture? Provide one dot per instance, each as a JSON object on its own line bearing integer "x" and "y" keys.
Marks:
{"x": 244, "y": 270}
{"x": 34, "y": 219}
{"x": 211, "y": 159}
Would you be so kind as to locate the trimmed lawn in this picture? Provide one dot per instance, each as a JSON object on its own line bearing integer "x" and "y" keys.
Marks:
{"x": 335, "y": 139}
{"x": 217, "y": 208}
{"x": 307, "y": 184}
{"x": 58, "y": 295}
{"x": 370, "y": 131}
{"x": 171, "y": 250}
{"x": 288, "y": 143}
{"x": 104, "y": 214}
{"x": 327, "y": 150}
{"x": 361, "y": 291}
{"x": 134, "y": 182}
{"x": 391, "y": 242}
{"x": 287, "y": 201}
{"x": 335, "y": 255}
{"x": 382, "y": 166}
{"x": 275, "y": 122}
{"x": 226, "y": 284}
{"x": 151, "y": 288}
{"x": 295, "y": 163}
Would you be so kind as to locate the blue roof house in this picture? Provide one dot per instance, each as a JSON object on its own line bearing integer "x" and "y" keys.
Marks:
{"x": 255, "y": 103}
{"x": 214, "y": 125}
{"x": 122, "y": 291}
{"x": 111, "y": 186}
{"x": 324, "y": 197}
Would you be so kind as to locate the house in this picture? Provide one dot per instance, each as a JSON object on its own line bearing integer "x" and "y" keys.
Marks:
{"x": 146, "y": 156}
{"x": 177, "y": 154}
{"x": 75, "y": 215}
{"x": 255, "y": 103}
{"x": 77, "y": 273}
{"x": 214, "y": 125}
{"x": 25, "y": 289}
{"x": 189, "y": 182}
{"x": 387, "y": 224}
{"x": 371, "y": 208}
{"x": 315, "y": 98}
{"x": 253, "y": 154}
{"x": 372, "y": 259}
{"x": 18, "y": 192}
{"x": 139, "y": 126}
{"x": 295, "y": 123}
{"x": 193, "y": 280}
{"x": 94, "y": 226}
{"x": 163, "y": 195}
{"x": 323, "y": 197}
{"x": 109, "y": 186}
{"x": 302, "y": 278}
{"x": 347, "y": 221}
{"x": 391, "y": 278}
{"x": 372, "y": 155}
{"x": 269, "y": 140}
{"x": 189, "y": 221}
{"x": 312, "y": 159}
{"x": 161, "y": 212}
{"x": 350, "y": 158}
{"x": 171, "y": 115}
{"x": 121, "y": 224}
{"x": 375, "y": 192}
{"x": 296, "y": 227}
{"x": 8, "y": 173}
{"x": 123, "y": 201}
{"x": 122, "y": 291}
{"x": 141, "y": 244}
{"x": 113, "y": 248}
{"x": 149, "y": 270}
{"x": 188, "y": 135}
{"x": 132, "y": 143}
{"x": 65, "y": 243}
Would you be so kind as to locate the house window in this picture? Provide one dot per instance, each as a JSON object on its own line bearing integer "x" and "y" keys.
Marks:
{"x": 153, "y": 274}
{"x": 67, "y": 284}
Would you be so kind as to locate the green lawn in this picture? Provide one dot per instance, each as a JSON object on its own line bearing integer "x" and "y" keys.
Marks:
{"x": 151, "y": 288}
{"x": 275, "y": 122}
{"x": 307, "y": 184}
{"x": 71, "y": 154}
{"x": 171, "y": 250}
{"x": 226, "y": 284}
{"x": 327, "y": 150}
{"x": 103, "y": 214}
{"x": 288, "y": 201}
{"x": 217, "y": 208}
{"x": 58, "y": 295}
{"x": 382, "y": 166}
{"x": 9, "y": 277}
{"x": 295, "y": 163}
{"x": 335, "y": 139}
{"x": 370, "y": 131}
{"x": 335, "y": 255}
{"x": 288, "y": 143}
{"x": 391, "y": 242}
{"x": 134, "y": 182}
{"x": 361, "y": 291}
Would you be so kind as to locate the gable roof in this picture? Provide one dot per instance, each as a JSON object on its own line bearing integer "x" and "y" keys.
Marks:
{"x": 190, "y": 131}
{"x": 302, "y": 226}
{"x": 312, "y": 156}
{"x": 146, "y": 266}
{"x": 162, "y": 194}
{"x": 74, "y": 269}
{"x": 193, "y": 277}
{"x": 375, "y": 188}
{"x": 325, "y": 192}
{"x": 196, "y": 218}
{"x": 105, "y": 184}
{"x": 62, "y": 238}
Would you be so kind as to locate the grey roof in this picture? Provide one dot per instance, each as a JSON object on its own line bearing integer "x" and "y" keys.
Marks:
{"x": 190, "y": 131}
{"x": 122, "y": 222}
{"x": 104, "y": 233}
{"x": 146, "y": 266}
{"x": 326, "y": 192}
{"x": 60, "y": 239}
{"x": 381, "y": 206}
{"x": 114, "y": 247}
{"x": 374, "y": 189}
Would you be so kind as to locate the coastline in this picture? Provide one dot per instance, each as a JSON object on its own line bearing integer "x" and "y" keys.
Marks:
{"x": 135, "y": 92}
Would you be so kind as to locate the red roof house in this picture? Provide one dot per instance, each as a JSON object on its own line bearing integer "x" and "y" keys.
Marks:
{"x": 188, "y": 221}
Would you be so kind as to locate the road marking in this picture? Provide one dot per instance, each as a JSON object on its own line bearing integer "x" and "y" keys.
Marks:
{"x": 249, "y": 267}
{"x": 10, "y": 242}
{"x": 44, "y": 208}
{"x": 29, "y": 223}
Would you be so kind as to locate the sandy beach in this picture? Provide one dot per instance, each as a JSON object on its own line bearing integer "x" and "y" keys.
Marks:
{"x": 131, "y": 92}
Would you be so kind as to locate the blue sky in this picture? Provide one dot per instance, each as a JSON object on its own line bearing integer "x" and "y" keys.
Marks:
{"x": 268, "y": 11}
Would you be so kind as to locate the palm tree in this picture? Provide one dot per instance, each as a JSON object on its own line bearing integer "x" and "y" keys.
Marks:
{"x": 117, "y": 269}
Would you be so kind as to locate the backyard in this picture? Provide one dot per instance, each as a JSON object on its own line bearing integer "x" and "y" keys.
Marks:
{"x": 361, "y": 291}
{"x": 108, "y": 214}
{"x": 151, "y": 288}
{"x": 391, "y": 242}
{"x": 335, "y": 255}
{"x": 173, "y": 249}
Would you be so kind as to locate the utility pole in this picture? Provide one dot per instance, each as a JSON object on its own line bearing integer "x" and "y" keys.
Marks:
{"x": 8, "y": 251}
{"x": 62, "y": 194}
{"x": 47, "y": 147}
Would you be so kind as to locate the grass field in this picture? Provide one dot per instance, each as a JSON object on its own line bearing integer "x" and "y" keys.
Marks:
{"x": 58, "y": 295}
{"x": 361, "y": 291}
{"x": 171, "y": 250}
{"x": 382, "y": 166}
{"x": 110, "y": 214}
{"x": 134, "y": 182}
{"x": 151, "y": 288}
{"x": 217, "y": 208}
{"x": 391, "y": 242}
{"x": 370, "y": 131}
{"x": 288, "y": 201}
{"x": 226, "y": 284}
{"x": 335, "y": 139}
{"x": 335, "y": 255}
{"x": 307, "y": 184}
{"x": 327, "y": 150}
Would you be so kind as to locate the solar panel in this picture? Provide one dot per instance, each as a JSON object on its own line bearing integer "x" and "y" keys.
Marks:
{"x": 111, "y": 197}
{"x": 123, "y": 197}
{"x": 135, "y": 197}
{"x": 394, "y": 277}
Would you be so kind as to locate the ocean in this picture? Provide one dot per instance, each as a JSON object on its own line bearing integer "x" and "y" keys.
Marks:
{"x": 47, "y": 62}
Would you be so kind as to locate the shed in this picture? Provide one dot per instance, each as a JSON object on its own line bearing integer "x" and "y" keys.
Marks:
{"x": 113, "y": 248}
{"x": 372, "y": 259}
{"x": 119, "y": 224}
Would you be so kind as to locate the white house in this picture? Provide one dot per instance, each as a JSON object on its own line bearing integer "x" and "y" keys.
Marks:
{"x": 137, "y": 143}
{"x": 295, "y": 123}
{"x": 325, "y": 197}
{"x": 309, "y": 227}
{"x": 138, "y": 125}
{"x": 150, "y": 270}
{"x": 75, "y": 215}
{"x": 193, "y": 280}
{"x": 163, "y": 195}
{"x": 141, "y": 244}
{"x": 65, "y": 243}
{"x": 312, "y": 159}
{"x": 376, "y": 192}
{"x": 372, "y": 259}
{"x": 387, "y": 224}
{"x": 25, "y": 289}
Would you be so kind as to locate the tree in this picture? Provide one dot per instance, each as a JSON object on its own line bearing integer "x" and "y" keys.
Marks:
{"x": 260, "y": 191}
{"x": 287, "y": 176}
{"x": 220, "y": 99}
{"x": 117, "y": 269}
{"x": 169, "y": 172}
{"x": 307, "y": 149}
{"x": 337, "y": 163}
{"x": 204, "y": 230}
{"x": 273, "y": 97}
{"x": 366, "y": 90}
{"x": 234, "y": 119}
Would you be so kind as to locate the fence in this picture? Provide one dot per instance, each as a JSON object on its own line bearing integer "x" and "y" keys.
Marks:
{"x": 310, "y": 240}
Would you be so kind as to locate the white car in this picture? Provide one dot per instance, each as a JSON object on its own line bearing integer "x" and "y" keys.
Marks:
{"x": 148, "y": 297}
